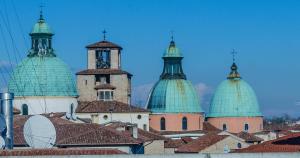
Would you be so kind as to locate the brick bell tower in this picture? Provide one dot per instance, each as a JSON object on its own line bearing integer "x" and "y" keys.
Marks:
{"x": 104, "y": 78}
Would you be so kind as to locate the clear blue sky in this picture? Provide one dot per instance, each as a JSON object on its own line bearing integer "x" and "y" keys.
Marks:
{"x": 266, "y": 35}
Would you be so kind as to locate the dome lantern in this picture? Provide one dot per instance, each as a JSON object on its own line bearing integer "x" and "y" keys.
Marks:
{"x": 41, "y": 39}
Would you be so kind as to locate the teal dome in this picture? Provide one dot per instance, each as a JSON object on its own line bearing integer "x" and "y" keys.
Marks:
{"x": 41, "y": 27}
{"x": 174, "y": 96}
{"x": 172, "y": 51}
{"x": 234, "y": 98}
{"x": 173, "y": 93}
{"x": 42, "y": 76}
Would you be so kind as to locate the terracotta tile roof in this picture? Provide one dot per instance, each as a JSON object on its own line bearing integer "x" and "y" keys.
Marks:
{"x": 249, "y": 137}
{"x": 289, "y": 143}
{"x": 174, "y": 143}
{"x": 187, "y": 139}
{"x": 209, "y": 127}
{"x": 181, "y": 132}
{"x": 16, "y": 111}
{"x": 275, "y": 127}
{"x": 107, "y": 107}
{"x": 105, "y": 86}
{"x": 142, "y": 134}
{"x": 69, "y": 151}
{"x": 102, "y": 72}
{"x": 76, "y": 134}
{"x": 201, "y": 143}
{"x": 104, "y": 44}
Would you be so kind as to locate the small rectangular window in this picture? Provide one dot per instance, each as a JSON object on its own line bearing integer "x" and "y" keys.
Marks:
{"x": 102, "y": 95}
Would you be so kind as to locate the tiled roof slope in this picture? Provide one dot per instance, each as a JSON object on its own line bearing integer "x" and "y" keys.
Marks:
{"x": 44, "y": 152}
{"x": 107, "y": 107}
{"x": 249, "y": 137}
{"x": 201, "y": 143}
{"x": 76, "y": 134}
{"x": 289, "y": 143}
{"x": 104, "y": 44}
{"x": 142, "y": 134}
{"x": 102, "y": 71}
{"x": 207, "y": 127}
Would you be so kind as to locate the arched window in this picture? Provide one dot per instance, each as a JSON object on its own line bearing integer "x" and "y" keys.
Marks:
{"x": 246, "y": 128}
{"x": 24, "y": 109}
{"x": 224, "y": 127}
{"x": 239, "y": 145}
{"x": 184, "y": 123}
{"x": 162, "y": 124}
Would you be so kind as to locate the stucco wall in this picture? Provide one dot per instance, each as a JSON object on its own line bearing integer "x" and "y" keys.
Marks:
{"x": 236, "y": 124}
{"x": 86, "y": 87}
{"x": 230, "y": 142}
{"x": 114, "y": 59}
{"x": 91, "y": 59}
{"x": 121, "y": 82}
{"x": 154, "y": 147}
{"x": 174, "y": 121}
{"x": 87, "y": 91}
{"x": 123, "y": 117}
{"x": 39, "y": 105}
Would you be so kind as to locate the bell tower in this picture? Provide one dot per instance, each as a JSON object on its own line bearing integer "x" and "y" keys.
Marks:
{"x": 104, "y": 78}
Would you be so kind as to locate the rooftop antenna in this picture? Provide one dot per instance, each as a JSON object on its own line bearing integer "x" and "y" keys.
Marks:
{"x": 104, "y": 34}
{"x": 233, "y": 52}
{"x": 39, "y": 132}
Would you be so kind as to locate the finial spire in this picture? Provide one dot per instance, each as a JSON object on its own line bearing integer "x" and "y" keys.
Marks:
{"x": 233, "y": 55}
{"x": 41, "y": 12}
{"x": 172, "y": 43}
{"x": 104, "y": 34}
{"x": 233, "y": 74}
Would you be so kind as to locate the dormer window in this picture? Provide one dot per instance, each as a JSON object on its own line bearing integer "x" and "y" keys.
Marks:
{"x": 105, "y": 95}
{"x": 103, "y": 59}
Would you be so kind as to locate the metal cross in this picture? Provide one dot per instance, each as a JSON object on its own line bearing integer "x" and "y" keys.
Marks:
{"x": 41, "y": 11}
{"x": 233, "y": 54}
{"x": 172, "y": 35}
{"x": 104, "y": 34}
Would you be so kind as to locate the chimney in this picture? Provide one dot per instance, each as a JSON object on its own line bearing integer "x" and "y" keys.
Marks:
{"x": 134, "y": 131}
{"x": 6, "y": 107}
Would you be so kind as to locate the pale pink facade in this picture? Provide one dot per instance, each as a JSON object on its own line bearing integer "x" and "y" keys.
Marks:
{"x": 173, "y": 121}
{"x": 237, "y": 124}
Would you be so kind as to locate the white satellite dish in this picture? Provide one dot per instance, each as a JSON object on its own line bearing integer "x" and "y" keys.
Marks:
{"x": 39, "y": 132}
{"x": 2, "y": 143}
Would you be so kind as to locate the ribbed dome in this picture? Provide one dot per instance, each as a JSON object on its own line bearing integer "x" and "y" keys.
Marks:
{"x": 42, "y": 76}
{"x": 174, "y": 96}
{"x": 41, "y": 27}
{"x": 234, "y": 98}
{"x": 172, "y": 51}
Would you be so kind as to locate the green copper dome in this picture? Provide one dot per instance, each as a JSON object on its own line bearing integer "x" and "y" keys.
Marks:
{"x": 172, "y": 51}
{"x": 173, "y": 93}
{"x": 42, "y": 73}
{"x": 174, "y": 96}
{"x": 234, "y": 98}
{"x": 42, "y": 76}
{"x": 41, "y": 27}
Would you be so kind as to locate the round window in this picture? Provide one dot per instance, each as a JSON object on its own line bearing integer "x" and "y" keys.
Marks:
{"x": 139, "y": 116}
{"x": 105, "y": 117}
